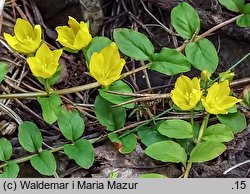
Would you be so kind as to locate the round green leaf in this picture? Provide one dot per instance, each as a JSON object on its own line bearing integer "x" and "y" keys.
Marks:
{"x": 44, "y": 163}
{"x": 178, "y": 129}
{"x": 233, "y": 5}
{"x": 152, "y": 175}
{"x": 185, "y": 20}
{"x": 167, "y": 151}
{"x": 169, "y": 62}
{"x": 218, "y": 132}
{"x": 29, "y": 136}
{"x": 128, "y": 143}
{"x": 202, "y": 55}
{"x": 246, "y": 8}
{"x": 96, "y": 45}
{"x": 133, "y": 44}
{"x": 150, "y": 135}
{"x": 111, "y": 117}
{"x": 10, "y": 171}
{"x": 243, "y": 21}
{"x": 82, "y": 152}
{"x": 118, "y": 86}
{"x": 234, "y": 121}
{"x": 206, "y": 151}
{"x": 5, "y": 149}
{"x": 4, "y": 68}
{"x": 71, "y": 125}
{"x": 50, "y": 107}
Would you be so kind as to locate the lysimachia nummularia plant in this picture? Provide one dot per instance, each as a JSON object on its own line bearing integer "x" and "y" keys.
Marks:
{"x": 184, "y": 141}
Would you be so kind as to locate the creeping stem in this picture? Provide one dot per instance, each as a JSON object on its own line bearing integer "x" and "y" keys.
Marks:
{"x": 192, "y": 123}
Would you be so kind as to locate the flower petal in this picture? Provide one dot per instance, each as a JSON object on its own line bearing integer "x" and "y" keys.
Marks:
{"x": 73, "y": 24}
{"x": 23, "y": 29}
{"x": 65, "y": 36}
{"x": 96, "y": 67}
{"x": 36, "y": 67}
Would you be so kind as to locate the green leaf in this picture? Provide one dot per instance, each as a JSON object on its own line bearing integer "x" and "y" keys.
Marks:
{"x": 243, "y": 21}
{"x": 29, "y": 136}
{"x": 167, "y": 151}
{"x": 246, "y": 8}
{"x": 50, "y": 107}
{"x": 44, "y": 163}
{"x": 133, "y": 44}
{"x": 218, "y": 132}
{"x": 111, "y": 117}
{"x": 150, "y": 135}
{"x": 233, "y": 5}
{"x": 178, "y": 129}
{"x": 71, "y": 125}
{"x": 152, "y": 175}
{"x": 4, "y": 68}
{"x": 56, "y": 76}
{"x": 118, "y": 86}
{"x": 187, "y": 144}
{"x": 206, "y": 151}
{"x": 10, "y": 171}
{"x": 82, "y": 152}
{"x": 96, "y": 45}
{"x": 235, "y": 121}
{"x": 185, "y": 20}
{"x": 5, "y": 149}
{"x": 169, "y": 62}
{"x": 202, "y": 55}
{"x": 128, "y": 143}
{"x": 233, "y": 109}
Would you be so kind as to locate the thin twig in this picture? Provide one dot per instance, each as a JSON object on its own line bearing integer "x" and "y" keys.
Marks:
{"x": 236, "y": 166}
{"x": 161, "y": 24}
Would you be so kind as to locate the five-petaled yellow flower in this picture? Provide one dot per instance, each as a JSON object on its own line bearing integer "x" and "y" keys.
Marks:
{"x": 26, "y": 39}
{"x": 106, "y": 66}
{"x": 187, "y": 92}
{"x": 45, "y": 63}
{"x": 74, "y": 37}
{"x": 218, "y": 100}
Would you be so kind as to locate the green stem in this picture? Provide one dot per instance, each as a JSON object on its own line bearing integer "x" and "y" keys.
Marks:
{"x": 236, "y": 64}
{"x": 189, "y": 165}
{"x": 47, "y": 86}
{"x": 203, "y": 127}
{"x": 146, "y": 123}
{"x": 192, "y": 123}
{"x": 201, "y": 132}
{"x": 60, "y": 92}
{"x": 66, "y": 90}
{"x": 27, "y": 158}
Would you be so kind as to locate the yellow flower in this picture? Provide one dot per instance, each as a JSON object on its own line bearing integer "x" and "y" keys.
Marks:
{"x": 205, "y": 75}
{"x": 187, "y": 92}
{"x": 74, "y": 37}
{"x": 106, "y": 66}
{"x": 26, "y": 39}
{"x": 45, "y": 63}
{"x": 218, "y": 100}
